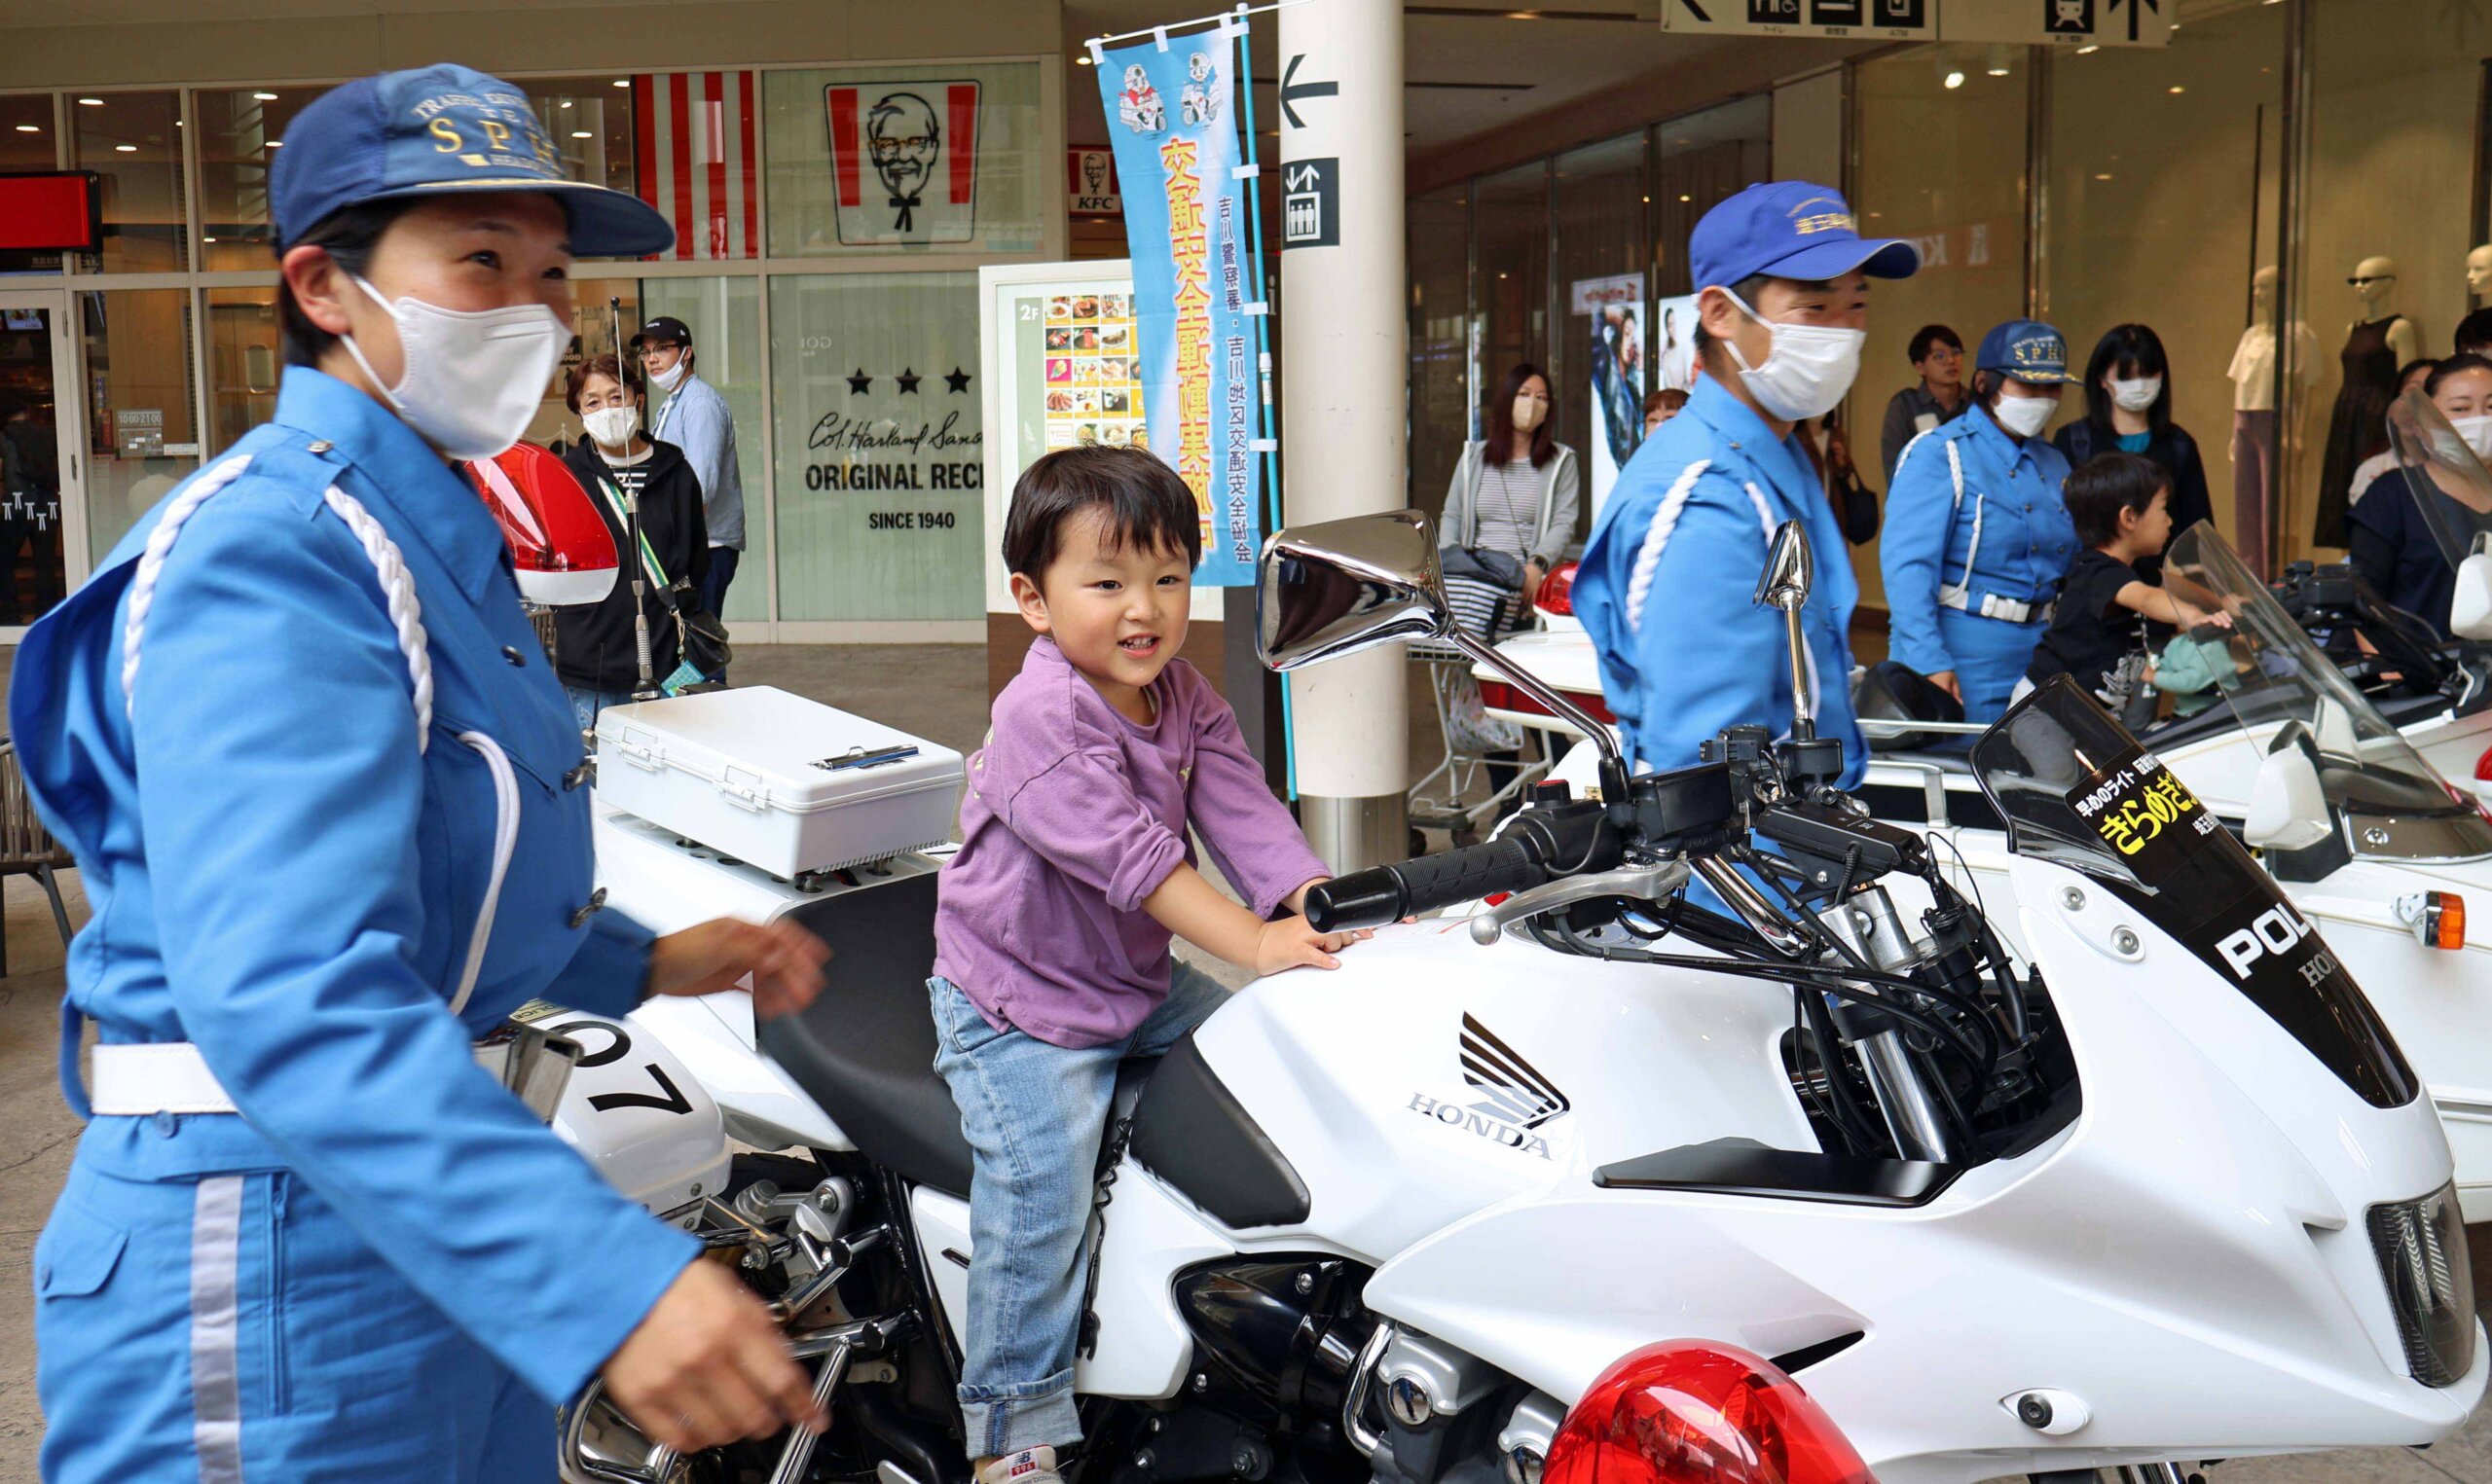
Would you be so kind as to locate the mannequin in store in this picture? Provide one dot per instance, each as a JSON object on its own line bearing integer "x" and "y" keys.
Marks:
{"x": 2255, "y": 433}
{"x": 2375, "y": 346}
{"x": 2479, "y": 273}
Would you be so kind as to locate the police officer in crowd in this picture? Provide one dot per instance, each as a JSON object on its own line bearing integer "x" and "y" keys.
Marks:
{"x": 1667, "y": 583}
{"x": 1977, "y": 538}
{"x": 328, "y": 800}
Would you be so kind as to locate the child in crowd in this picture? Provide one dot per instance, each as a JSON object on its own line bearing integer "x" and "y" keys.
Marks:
{"x": 1660, "y": 407}
{"x": 2120, "y": 505}
{"x": 1053, "y": 925}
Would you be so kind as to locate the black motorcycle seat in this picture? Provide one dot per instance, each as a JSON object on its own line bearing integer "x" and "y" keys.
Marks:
{"x": 865, "y": 1048}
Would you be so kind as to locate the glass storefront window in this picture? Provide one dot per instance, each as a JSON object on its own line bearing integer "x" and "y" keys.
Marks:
{"x": 940, "y": 157}
{"x": 2396, "y": 90}
{"x": 1439, "y": 258}
{"x": 1596, "y": 363}
{"x": 28, "y": 142}
{"x": 590, "y": 121}
{"x": 36, "y": 401}
{"x": 1510, "y": 218}
{"x": 1700, "y": 159}
{"x": 2165, "y": 218}
{"x": 878, "y": 429}
{"x": 133, "y": 140}
{"x": 245, "y": 357}
{"x": 142, "y": 433}
{"x": 241, "y": 133}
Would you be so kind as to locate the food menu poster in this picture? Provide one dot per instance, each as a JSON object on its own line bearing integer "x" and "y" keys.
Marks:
{"x": 1093, "y": 390}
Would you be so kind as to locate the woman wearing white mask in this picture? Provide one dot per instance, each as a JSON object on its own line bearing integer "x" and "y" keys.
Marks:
{"x": 301, "y": 736}
{"x": 1977, "y": 538}
{"x": 2393, "y": 545}
{"x": 595, "y": 649}
{"x": 2128, "y": 409}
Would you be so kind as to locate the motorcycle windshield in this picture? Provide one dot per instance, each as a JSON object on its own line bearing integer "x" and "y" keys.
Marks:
{"x": 2076, "y": 790}
{"x": 2449, "y": 483}
{"x": 2271, "y": 674}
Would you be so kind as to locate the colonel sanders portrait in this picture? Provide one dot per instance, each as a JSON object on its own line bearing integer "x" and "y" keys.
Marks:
{"x": 905, "y": 141}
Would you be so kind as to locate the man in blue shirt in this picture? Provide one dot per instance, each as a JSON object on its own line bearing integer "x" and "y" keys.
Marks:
{"x": 1668, "y": 582}
{"x": 694, "y": 417}
{"x": 1977, "y": 539}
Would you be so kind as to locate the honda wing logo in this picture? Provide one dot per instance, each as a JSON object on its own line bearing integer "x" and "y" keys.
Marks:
{"x": 1515, "y": 1099}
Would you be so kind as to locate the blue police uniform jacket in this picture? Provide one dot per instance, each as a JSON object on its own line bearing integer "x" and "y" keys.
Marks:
{"x": 2011, "y": 505}
{"x": 280, "y": 877}
{"x": 1668, "y": 584}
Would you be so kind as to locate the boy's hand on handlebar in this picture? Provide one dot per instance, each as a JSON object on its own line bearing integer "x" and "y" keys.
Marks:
{"x": 1291, "y": 943}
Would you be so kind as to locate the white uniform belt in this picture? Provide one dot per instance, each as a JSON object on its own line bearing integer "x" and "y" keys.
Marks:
{"x": 140, "y": 1079}
{"x": 2006, "y": 609}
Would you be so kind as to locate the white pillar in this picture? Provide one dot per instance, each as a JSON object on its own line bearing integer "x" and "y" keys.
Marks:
{"x": 1344, "y": 366}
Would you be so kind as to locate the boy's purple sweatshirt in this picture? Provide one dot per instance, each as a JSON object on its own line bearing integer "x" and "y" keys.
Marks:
{"x": 1074, "y": 814}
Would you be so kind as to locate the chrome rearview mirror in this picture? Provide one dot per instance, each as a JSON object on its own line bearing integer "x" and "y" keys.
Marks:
{"x": 1339, "y": 587}
{"x": 1789, "y": 574}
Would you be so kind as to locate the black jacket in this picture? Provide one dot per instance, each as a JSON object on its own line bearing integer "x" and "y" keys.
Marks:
{"x": 593, "y": 643}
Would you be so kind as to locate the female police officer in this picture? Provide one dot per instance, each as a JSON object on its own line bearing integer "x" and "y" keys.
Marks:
{"x": 327, "y": 799}
{"x": 1977, "y": 539}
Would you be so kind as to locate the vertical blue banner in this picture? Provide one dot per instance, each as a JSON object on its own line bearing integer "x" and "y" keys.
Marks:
{"x": 1188, "y": 217}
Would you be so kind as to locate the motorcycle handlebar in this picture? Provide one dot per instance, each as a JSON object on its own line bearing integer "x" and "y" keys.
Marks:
{"x": 1382, "y": 894}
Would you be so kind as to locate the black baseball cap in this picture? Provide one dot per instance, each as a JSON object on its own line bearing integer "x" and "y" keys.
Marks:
{"x": 665, "y": 329}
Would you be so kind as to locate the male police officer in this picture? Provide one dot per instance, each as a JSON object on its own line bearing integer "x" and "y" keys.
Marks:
{"x": 1667, "y": 584}
{"x": 1977, "y": 539}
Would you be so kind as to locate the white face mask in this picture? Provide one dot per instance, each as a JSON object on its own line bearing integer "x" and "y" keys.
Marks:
{"x": 2138, "y": 395}
{"x": 673, "y": 377}
{"x": 1529, "y": 412}
{"x": 2025, "y": 416}
{"x": 472, "y": 378}
{"x": 611, "y": 427}
{"x": 2478, "y": 433}
{"x": 1807, "y": 368}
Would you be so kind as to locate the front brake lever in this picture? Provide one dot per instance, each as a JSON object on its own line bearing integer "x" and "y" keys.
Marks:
{"x": 1649, "y": 883}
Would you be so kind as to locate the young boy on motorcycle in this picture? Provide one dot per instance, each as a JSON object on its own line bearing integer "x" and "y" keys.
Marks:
{"x": 2120, "y": 504}
{"x": 1055, "y": 922}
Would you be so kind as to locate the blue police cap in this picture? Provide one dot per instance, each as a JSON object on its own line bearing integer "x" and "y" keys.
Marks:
{"x": 437, "y": 131}
{"x": 1790, "y": 229}
{"x": 2027, "y": 349}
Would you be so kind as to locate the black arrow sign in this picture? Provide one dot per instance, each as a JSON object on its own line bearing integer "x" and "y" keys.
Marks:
{"x": 1291, "y": 92}
{"x": 2135, "y": 7}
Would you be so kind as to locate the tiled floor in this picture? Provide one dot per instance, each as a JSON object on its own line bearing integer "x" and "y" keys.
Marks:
{"x": 937, "y": 692}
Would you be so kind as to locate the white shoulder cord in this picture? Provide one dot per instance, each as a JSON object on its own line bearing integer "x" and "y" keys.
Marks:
{"x": 406, "y": 617}
{"x": 1959, "y": 594}
{"x": 1648, "y": 556}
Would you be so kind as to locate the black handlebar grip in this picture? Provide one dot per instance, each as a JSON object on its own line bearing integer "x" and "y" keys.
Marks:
{"x": 1389, "y": 893}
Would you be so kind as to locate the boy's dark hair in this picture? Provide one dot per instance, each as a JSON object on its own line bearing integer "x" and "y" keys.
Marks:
{"x": 2138, "y": 350}
{"x": 2451, "y": 367}
{"x": 349, "y": 233}
{"x": 1498, "y": 420}
{"x": 1144, "y": 502}
{"x": 2474, "y": 333}
{"x": 1932, "y": 335}
{"x": 2106, "y": 485}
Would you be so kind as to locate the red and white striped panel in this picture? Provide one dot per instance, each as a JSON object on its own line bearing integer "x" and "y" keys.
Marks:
{"x": 693, "y": 138}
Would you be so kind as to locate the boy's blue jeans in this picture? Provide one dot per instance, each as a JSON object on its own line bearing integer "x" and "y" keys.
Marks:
{"x": 1034, "y": 1115}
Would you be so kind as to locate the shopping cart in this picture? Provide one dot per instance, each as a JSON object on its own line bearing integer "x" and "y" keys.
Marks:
{"x": 1443, "y": 798}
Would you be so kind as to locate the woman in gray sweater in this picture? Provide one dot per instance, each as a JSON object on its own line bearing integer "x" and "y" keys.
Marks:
{"x": 1510, "y": 511}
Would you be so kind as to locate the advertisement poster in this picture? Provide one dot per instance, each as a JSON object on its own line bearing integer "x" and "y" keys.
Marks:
{"x": 1613, "y": 308}
{"x": 1093, "y": 390}
{"x": 905, "y": 155}
{"x": 1172, "y": 118}
{"x": 1675, "y": 342}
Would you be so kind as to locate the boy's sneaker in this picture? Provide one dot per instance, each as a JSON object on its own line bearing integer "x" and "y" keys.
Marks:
{"x": 1030, "y": 1466}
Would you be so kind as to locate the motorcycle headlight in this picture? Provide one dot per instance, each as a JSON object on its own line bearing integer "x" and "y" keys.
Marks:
{"x": 2422, "y": 1255}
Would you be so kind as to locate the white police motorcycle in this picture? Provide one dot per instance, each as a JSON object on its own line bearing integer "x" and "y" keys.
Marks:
{"x": 1595, "y": 1181}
